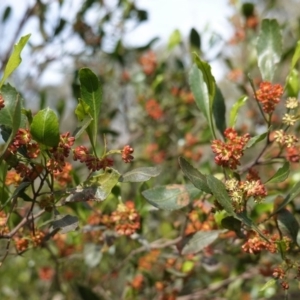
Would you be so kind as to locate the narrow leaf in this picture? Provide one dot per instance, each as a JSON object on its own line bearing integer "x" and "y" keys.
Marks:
{"x": 281, "y": 174}
{"x": 294, "y": 192}
{"x": 296, "y": 56}
{"x": 288, "y": 224}
{"x": 174, "y": 40}
{"x": 235, "y": 109}
{"x": 45, "y": 128}
{"x": 170, "y": 197}
{"x": 66, "y": 223}
{"x": 219, "y": 191}
{"x": 91, "y": 95}
{"x": 219, "y": 111}
{"x": 269, "y": 48}
{"x": 197, "y": 178}
{"x": 255, "y": 140}
{"x": 200, "y": 240}
{"x": 15, "y": 58}
{"x": 140, "y": 174}
{"x": 292, "y": 84}
{"x": 268, "y": 284}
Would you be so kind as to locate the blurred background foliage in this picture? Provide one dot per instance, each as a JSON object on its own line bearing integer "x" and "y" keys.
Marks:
{"x": 148, "y": 104}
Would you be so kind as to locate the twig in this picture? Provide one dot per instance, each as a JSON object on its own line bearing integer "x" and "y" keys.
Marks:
{"x": 214, "y": 287}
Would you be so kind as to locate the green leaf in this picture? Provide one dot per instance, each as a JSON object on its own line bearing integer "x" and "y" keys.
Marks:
{"x": 203, "y": 86}
{"x": 235, "y": 109}
{"x": 174, "y": 40}
{"x": 170, "y": 197}
{"x": 45, "y": 128}
{"x": 91, "y": 95}
{"x": 200, "y": 240}
{"x": 10, "y": 115}
{"x": 195, "y": 39}
{"x": 140, "y": 174}
{"x": 268, "y": 284}
{"x": 219, "y": 191}
{"x": 6, "y": 14}
{"x": 255, "y": 140}
{"x": 296, "y": 56}
{"x": 288, "y": 224}
{"x": 96, "y": 188}
{"x": 21, "y": 188}
{"x": 66, "y": 223}
{"x": 294, "y": 192}
{"x": 281, "y": 174}
{"x": 15, "y": 58}
{"x": 293, "y": 84}
{"x": 197, "y": 178}
{"x": 219, "y": 111}
{"x": 269, "y": 48}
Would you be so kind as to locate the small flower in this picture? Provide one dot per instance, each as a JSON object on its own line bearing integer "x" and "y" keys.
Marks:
{"x": 279, "y": 136}
{"x": 80, "y": 153}
{"x": 229, "y": 153}
{"x": 63, "y": 178}
{"x": 126, "y": 154}
{"x": 269, "y": 95}
{"x": 33, "y": 150}
{"x": 292, "y": 154}
{"x": 93, "y": 163}
{"x": 290, "y": 140}
{"x": 153, "y": 109}
{"x": 289, "y": 120}
{"x": 12, "y": 177}
{"x": 23, "y": 137}
{"x": 291, "y": 103}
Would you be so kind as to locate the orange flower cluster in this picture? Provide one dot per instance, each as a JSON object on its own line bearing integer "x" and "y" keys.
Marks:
{"x": 21, "y": 244}
{"x": 148, "y": 62}
{"x": 2, "y": 105}
{"x": 153, "y": 109}
{"x": 37, "y": 238}
{"x": 229, "y": 153}
{"x": 269, "y": 95}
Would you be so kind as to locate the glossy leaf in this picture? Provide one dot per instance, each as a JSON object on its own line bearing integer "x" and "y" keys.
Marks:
{"x": 200, "y": 240}
{"x": 255, "y": 140}
{"x": 197, "y": 178}
{"x": 140, "y": 174}
{"x": 66, "y": 223}
{"x": 174, "y": 40}
{"x": 91, "y": 94}
{"x": 45, "y": 128}
{"x": 219, "y": 111}
{"x": 170, "y": 197}
{"x": 235, "y": 109}
{"x": 281, "y": 174}
{"x": 195, "y": 39}
{"x": 287, "y": 224}
{"x": 269, "y": 48}
{"x": 10, "y": 115}
{"x": 15, "y": 58}
{"x": 219, "y": 191}
{"x": 96, "y": 188}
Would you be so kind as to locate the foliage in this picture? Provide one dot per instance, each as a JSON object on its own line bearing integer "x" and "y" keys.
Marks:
{"x": 82, "y": 218}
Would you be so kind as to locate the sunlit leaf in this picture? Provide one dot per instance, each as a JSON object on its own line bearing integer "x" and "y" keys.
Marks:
{"x": 45, "y": 128}
{"x": 235, "y": 109}
{"x": 15, "y": 58}
{"x": 171, "y": 197}
{"x": 293, "y": 83}
{"x": 174, "y": 40}
{"x": 96, "y": 188}
{"x": 140, "y": 174}
{"x": 269, "y": 48}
